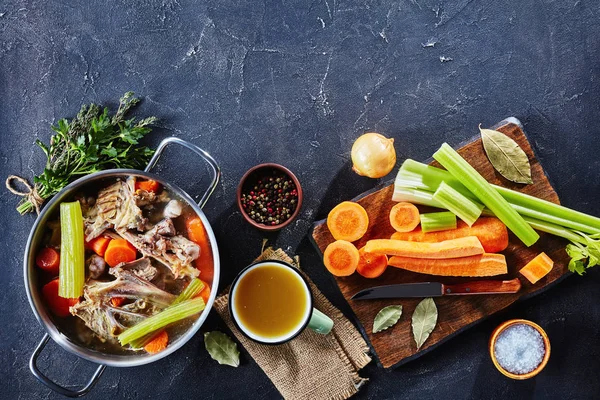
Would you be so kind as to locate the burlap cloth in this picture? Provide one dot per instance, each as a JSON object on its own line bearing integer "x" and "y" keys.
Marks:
{"x": 311, "y": 366}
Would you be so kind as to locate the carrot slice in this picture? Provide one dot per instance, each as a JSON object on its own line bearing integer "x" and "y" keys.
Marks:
{"x": 59, "y": 306}
{"x": 371, "y": 265}
{"x": 454, "y": 248}
{"x": 487, "y": 264}
{"x": 48, "y": 259}
{"x": 491, "y": 232}
{"x": 537, "y": 268}
{"x": 119, "y": 251}
{"x": 341, "y": 258}
{"x": 404, "y": 217}
{"x": 98, "y": 245}
{"x": 149, "y": 186}
{"x": 348, "y": 221}
{"x": 158, "y": 343}
{"x": 205, "y": 263}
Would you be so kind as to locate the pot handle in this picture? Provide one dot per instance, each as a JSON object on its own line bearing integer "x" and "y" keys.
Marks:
{"x": 216, "y": 171}
{"x": 54, "y": 386}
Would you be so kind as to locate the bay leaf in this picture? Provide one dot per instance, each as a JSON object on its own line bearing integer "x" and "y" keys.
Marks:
{"x": 506, "y": 156}
{"x": 221, "y": 348}
{"x": 424, "y": 320}
{"x": 386, "y": 318}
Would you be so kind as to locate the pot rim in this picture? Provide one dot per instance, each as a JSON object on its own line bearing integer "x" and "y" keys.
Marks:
{"x": 40, "y": 312}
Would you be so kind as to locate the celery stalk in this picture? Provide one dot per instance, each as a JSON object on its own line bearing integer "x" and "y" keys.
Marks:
{"x": 71, "y": 276}
{"x": 463, "y": 207}
{"x": 438, "y": 221}
{"x": 166, "y": 317}
{"x": 416, "y": 175}
{"x": 192, "y": 290}
{"x": 576, "y": 219}
{"x": 415, "y": 196}
{"x": 477, "y": 184}
{"x": 554, "y": 229}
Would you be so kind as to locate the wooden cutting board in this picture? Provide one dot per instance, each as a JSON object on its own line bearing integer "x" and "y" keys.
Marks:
{"x": 396, "y": 346}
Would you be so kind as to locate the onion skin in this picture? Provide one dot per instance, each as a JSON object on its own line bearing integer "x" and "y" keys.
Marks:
{"x": 373, "y": 155}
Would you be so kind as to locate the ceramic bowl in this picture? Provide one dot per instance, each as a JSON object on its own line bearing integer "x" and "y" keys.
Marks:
{"x": 257, "y": 170}
{"x": 501, "y": 329}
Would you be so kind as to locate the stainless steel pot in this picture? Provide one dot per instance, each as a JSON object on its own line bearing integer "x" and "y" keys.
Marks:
{"x": 34, "y": 295}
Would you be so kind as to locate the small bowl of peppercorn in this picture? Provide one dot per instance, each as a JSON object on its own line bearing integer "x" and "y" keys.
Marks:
{"x": 269, "y": 196}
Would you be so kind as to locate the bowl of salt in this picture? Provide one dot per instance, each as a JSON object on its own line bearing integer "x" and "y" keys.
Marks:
{"x": 519, "y": 348}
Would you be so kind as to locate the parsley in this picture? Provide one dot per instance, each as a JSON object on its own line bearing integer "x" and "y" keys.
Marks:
{"x": 92, "y": 141}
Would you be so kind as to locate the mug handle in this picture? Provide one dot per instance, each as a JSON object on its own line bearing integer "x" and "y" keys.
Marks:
{"x": 320, "y": 322}
{"x": 53, "y": 385}
{"x": 216, "y": 171}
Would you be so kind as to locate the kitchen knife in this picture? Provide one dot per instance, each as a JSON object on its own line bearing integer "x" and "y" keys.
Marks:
{"x": 435, "y": 289}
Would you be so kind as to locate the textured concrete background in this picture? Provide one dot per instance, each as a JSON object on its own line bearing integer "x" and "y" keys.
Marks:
{"x": 295, "y": 82}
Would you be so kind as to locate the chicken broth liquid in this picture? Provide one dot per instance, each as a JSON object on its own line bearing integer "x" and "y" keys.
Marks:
{"x": 271, "y": 301}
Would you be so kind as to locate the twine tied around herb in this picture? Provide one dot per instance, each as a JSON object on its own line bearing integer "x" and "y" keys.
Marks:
{"x": 31, "y": 194}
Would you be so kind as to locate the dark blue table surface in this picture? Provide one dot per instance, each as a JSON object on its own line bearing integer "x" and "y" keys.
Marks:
{"x": 296, "y": 82}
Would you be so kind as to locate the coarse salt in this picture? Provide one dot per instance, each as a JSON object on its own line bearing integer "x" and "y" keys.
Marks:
{"x": 519, "y": 349}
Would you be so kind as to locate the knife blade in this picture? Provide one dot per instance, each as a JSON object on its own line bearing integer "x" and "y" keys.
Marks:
{"x": 436, "y": 289}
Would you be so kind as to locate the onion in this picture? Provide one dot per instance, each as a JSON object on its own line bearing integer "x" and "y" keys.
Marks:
{"x": 373, "y": 155}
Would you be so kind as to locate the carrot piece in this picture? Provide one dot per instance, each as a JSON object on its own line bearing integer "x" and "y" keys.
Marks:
{"x": 149, "y": 186}
{"x": 205, "y": 263}
{"x": 491, "y": 232}
{"x": 48, "y": 259}
{"x": 404, "y": 217}
{"x": 98, "y": 245}
{"x": 487, "y": 264}
{"x": 117, "y": 301}
{"x": 158, "y": 343}
{"x": 119, "y": 251}
{"x": 59, "y": 306}
{"x": 453, "y": 248}
{"x": 537, "y": 268}
{"x": 341, "y": 258}
{"x": 204, "y": 293}
{"x": 348, "y": 221}
{"x": 371, "y": 265}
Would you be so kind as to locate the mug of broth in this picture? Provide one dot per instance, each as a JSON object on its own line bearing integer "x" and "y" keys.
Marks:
{"x": 270, "y": 302}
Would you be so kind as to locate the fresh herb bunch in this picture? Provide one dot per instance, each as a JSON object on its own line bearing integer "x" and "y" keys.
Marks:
{"x": 90, "y": 142}
{"x": 584, "y": 255}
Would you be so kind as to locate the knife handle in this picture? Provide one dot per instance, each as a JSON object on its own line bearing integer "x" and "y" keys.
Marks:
{"x": 482, "y": 287}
